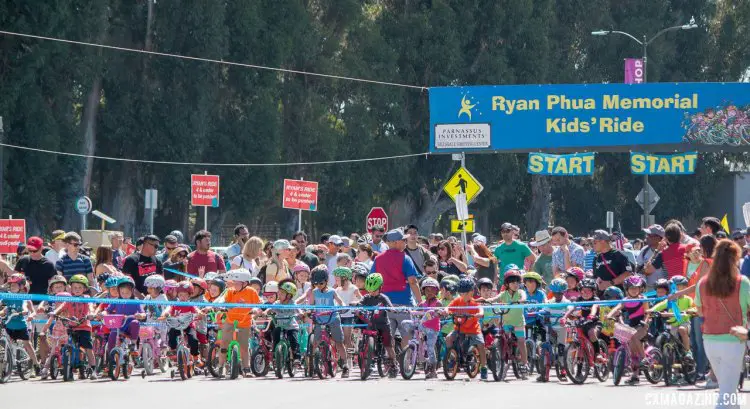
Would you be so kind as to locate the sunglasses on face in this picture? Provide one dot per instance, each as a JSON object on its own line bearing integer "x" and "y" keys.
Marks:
{"x": 377, "y": 236}
{"x": 430, "y": 272}
{"x": 75, "y": 244}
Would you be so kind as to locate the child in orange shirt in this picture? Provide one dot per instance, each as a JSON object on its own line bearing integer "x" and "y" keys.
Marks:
{"x": 470, "y": 326}
{"x": 239, "y": 291}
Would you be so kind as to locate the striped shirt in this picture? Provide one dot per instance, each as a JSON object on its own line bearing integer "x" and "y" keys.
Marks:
{"x": 588, "y": 260}
{"x": 69, "y": 267}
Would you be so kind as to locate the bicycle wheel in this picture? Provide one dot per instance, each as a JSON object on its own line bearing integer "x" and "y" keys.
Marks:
{"x": 23, "y": 363}
{"x": 494, "y": 362}
{"x": 258, "y": 363}
{"x": 531, "y": 354}
{"x": 183, "y": 364}
{"x": 519, "y": 369}
{"x": 234, "y": 362}
{"x": 147, "y": 358}
{"x": 690, "y": 370}
{"x": 365, "y": 358}
{"x": 472, "y": 362}
{"x": 654, "y": 372}
{"x": 6, "y": 361}
{"x": 668, "y": 360}
{"x": 115, "y": 355}
{"x": 601, "y": 369}
{"x": 380, "y": 359}
{"x": 54, "y": 366}
{"x": 67, "y": 362}
{"x": 618, "y": 365}
{"x": 544, "y": 362}
{"x": 127, "y": 366}
{"x": 330, "y": 361}
{"x": 576, "y": 363}
{"x": 280, "y": 357}
{"x": 317, "y": 363}
{"x": 213, "y": 359}
{"x": 409, "y": 362}
{"x": 450, "y": 364}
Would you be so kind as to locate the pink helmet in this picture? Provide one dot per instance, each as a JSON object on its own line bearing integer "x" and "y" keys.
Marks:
{"x": 170, "y": 285}
{"x": 200, "y": 283}
{"x": 184, "y": 286}
{"x": 17, "y": 278}
{"x": 301, "y": 267}
{"x": 576, "y": 272}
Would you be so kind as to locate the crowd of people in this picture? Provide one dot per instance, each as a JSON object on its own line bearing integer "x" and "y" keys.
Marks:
{"x": 704, "y": 273}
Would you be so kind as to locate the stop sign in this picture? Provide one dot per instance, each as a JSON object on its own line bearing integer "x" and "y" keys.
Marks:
{"x": 376, "y": 217}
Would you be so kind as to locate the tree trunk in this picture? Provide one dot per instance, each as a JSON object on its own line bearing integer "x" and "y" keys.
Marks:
{"x": 537, "y": 218}
{"x": 89, "y": 130}
{"x": 423, "y": 213}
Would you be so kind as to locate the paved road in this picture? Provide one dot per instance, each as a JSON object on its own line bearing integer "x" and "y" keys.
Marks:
{"x": 203, "y": 392}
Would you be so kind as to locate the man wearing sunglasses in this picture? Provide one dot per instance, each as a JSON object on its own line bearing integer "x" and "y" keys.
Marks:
{"x": 73, "y": 262}
{"x": 378, "y": 246}
{"x": 37, "y": 269}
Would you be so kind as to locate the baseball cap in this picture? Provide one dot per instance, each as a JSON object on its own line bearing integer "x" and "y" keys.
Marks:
{"x": 151, "y": 237}
{"x": 654, "y": 229}
{"x": 34, "y": 243}
{"x": 541, "y": 238}
{"x": 478, "y": 238}
{"x": 737, "y": 234}
{"x": 395, "y": 235}
{"x": 114, "y": 234}
{"x": 335, "y": 240}
{"x": 170, "y": 239}
{"x": 506, "y": 226}
{"x": 285, "y": 245}
{"x": 601, "y": 235}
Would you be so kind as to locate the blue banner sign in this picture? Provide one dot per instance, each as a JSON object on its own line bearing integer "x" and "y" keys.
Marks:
{"x": 561, "y": 165}
{"x": 650, "y": 164}
{"x": 534, "y": 117}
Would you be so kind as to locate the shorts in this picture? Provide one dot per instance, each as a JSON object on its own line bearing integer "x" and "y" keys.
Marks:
{"x": 474, "y": 339}
{"x": 337, "y": 333}
{"x": 203, "y": 338}
{"x": 520, "y": 332}
{"x": 347, "y": 320}
{"x": 673, "y": 329}
{"x": 83, "y": 339}
{"x": 395, "y": 318}
{"x": 18, "y": 334}
{"x": 384, "y": 331}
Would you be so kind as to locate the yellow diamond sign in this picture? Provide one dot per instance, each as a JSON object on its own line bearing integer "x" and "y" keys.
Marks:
{"x": 463, "y": 182}
{"x": 459, "y": 226}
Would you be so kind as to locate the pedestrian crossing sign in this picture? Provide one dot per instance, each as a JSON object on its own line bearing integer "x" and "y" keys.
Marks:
{"x": 463, "y": 182}
{"x": 460, "y": 226}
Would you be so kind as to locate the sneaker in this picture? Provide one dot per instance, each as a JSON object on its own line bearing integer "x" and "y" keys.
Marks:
{"x": 44, "y": 373}
{"x": 392, "y": 371}
{"x": 92, "y": 375}
{"x": 430, "y": 372}
{"x": 711, "y": 384}
{"x": 220, "y": 371}
{"x": 345, "y": 372}
{"x": 540, "y": 378}
{"x": 483, "y": 374}
{"x": 633, "y": 381}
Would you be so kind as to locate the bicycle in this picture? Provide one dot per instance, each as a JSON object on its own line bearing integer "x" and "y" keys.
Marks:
{"x": 73, "y": 356}
{"x": 675, "y": 361}
{"x": 150, "y": 351}
{"x": 262, "y": 355}
{"x": 283, "y": 358}
{"x": 460, "y": 354}
{"x": 652, "y": 369}
{"x": 505, "y": 348}
{"x": 121, "y": 356}
{"x": 324, "y": 355}
{"x": 580, "y": 356}
{"x": 371, "y": 350}
{"x": 415, "y": 353}
{"x": 14, "y": 355}
{"x": 55, "y": 339}
{"x": 549, "y": 353}
{"x": 184, "y": 363}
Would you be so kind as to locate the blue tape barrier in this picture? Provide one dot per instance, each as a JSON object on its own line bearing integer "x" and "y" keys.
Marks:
{"x": 173, "y": 271}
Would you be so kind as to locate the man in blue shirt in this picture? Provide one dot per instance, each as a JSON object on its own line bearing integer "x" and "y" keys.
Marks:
{"x": 73, "y": 262}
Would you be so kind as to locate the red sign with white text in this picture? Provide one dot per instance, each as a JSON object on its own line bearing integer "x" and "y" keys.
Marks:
{"x": 12, "y": 232}
{"x": 300, "y": 195}
{"x": 204, "y": 190}
{"x": 376, "y": 217}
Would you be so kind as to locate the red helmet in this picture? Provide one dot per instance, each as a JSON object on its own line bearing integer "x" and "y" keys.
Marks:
{"x": 184, "y": 286}
{"x": 576, "y": 272}
{"x": 512, "y": 275}
{"x": 200, "y": 283}
{"x": 17, "y": 278}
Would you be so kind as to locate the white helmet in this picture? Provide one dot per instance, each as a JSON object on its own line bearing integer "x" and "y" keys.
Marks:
{"x": 430, "y": 282}
{"x": 154, "y": 281}
{"x": 271, "y": 287}
{"x": 241, "y": 275}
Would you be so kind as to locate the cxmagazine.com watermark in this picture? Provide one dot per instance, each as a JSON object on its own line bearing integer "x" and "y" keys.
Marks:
{"x": 694, "y": 399}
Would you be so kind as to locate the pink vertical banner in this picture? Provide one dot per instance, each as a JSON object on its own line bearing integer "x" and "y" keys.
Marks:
{"x": 633, "y": 71}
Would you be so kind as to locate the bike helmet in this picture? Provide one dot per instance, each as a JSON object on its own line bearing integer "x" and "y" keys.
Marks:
{"x": 255, "y": 280}
{"x": 512, "y": 276}
{"x": 300, "y": 267}
{"x": 343, "y": 272}
{"x": 178, "y": 235}
{"x": 510, "y": 267}
{"x": 200, "y": 283}
{"x": 430, "y": 282}
{"x": 64, "y": 294}
{"x": 360, "y": 270}
{"x": 319, "y": 275}
{"x": 558, "y": 286}
{"x": 452, "y": 277}
{"x": 289, "y": 288}
{"x": 102, "y": 278}
{"x": 80, "y": 279}
{"x": 373, "y": 282}
{"x": 168, "y": 285}
{"x": 448, "y": 285}
{"x": 241, "y": 275}
{"x": 184, "y": 287}
{"x": 18, "y": 278}
{"x": 465, "y": 285}
{"x": 613, "y": 293}
{"x": 219, "y": 283}
{"x": 679, "y": 280}
{"x": 589, "y": 283}
{"x": 56, "y": 279}
{"x": 154, "y": 281}
{"x": 634, "y": 281}
{"x": 126, "y": 280}
{"x": 210, "y": 276}
{"x": 576, "y": 272}
{"x": 271, "y": 287}
{"x": 663, "y": 283}
{"x": 485, "y": 282}
{"x": 111, "y": 282}
{"x": 531, "y": 275}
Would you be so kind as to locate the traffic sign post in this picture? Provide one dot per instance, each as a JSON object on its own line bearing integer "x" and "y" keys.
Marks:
{"x": 300, "y": 195}
{"x": 83, "y": 207}
{"x": 463, "y": 188}
{"x": 376, "y": 217}
{"x": 610, "y": 221}
{"x": 647, "y": 194}
{"x": 151, "y": 205}
{"x": 462, "y": 226}
{"x": 204, "y": 192}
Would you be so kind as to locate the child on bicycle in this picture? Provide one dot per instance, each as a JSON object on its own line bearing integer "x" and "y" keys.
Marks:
{"x": 57, "y": 285}
{"x": 680, "y": 328}
{"x": 83, "y": 312}
{"x": 607, "y": 330}
{"x": 470, "y": 326}
{"x": 170, "y": 290}
{"x": 532, "y": 283}
{"x": 633, "y": 314}
{"x": 216, "y": 287}
{"x": 301, "y": 273}
{"x": 589, "y": 313}
{"x": 323, "y": 295}
{"x": 286, "y": 318}
{"x": 239, "y": 292}
{"x": 514, "y": 319}
{"x": 558, "y": 287}
{"x": 349, "y": 295}
{"x": 446, "y": 296}
{"x": 133, "y": 312}
{"x": 155, "y": 284}
{"x": 573, "y": 276}
{"x": 360, "y": 273}
{"x": 270, "y": 292}
{"x": 379, "y": 318}
{"x": 18, "y": 326}
{"x": 184, "y": 290}
{"x": 429, "y": 324}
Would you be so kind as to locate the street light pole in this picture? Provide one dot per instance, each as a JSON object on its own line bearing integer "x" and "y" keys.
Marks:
{"x": 645, "y": 43}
